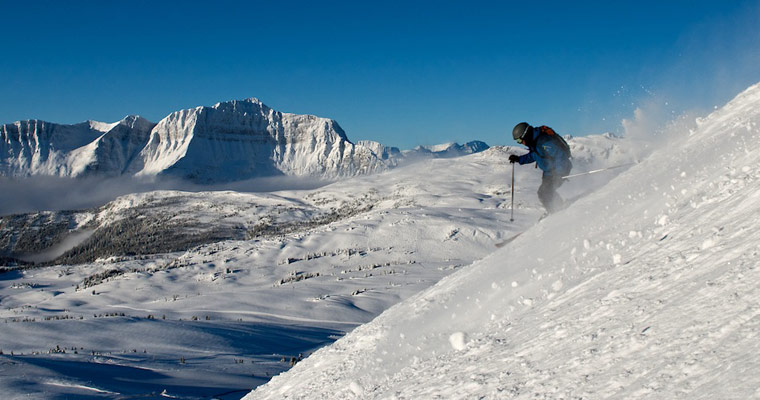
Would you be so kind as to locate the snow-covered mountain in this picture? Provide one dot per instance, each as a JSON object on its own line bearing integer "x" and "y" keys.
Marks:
{"x": 228, "y": 141}
{"x": 390, "y": 155}
{"x": 243, "y": 139}
{"x": 42, "y": 148}
{"x": 232, "y": 140}
{"x": 647, "y": 288}
{"x": 446, "y": 150}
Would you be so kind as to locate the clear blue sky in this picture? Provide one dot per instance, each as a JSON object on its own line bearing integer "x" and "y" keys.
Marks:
{"x": 400, "y": 72}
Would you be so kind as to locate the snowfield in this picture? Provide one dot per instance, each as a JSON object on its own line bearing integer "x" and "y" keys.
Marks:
{"x": 646, "y": 288}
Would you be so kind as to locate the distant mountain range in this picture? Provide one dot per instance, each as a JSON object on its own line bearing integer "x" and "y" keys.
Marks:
{"x": 229, "y": 141}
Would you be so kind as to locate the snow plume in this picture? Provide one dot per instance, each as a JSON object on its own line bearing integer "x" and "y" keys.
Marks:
{"x": 654, "y": 124}
{"x": 726, "y": 49}
{"x": 672, "y": 95}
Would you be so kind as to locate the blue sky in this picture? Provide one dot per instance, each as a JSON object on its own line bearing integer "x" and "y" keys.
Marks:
{"x": 400, "y": 72}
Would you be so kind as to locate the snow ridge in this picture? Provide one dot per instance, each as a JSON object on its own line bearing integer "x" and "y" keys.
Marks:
{"x": 644, "y": 289}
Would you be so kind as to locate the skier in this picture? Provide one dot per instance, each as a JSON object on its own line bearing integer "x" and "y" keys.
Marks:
{"x": 551, "y": 153}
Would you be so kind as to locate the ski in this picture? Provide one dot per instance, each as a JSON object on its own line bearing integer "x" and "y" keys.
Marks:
{"x": 506, "y": 242}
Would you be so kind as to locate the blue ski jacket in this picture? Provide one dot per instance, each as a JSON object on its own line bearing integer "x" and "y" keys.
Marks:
{"x": 548, "y": 153}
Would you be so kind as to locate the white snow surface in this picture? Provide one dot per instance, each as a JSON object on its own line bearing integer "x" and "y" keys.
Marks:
{"x": 647, "y": 288}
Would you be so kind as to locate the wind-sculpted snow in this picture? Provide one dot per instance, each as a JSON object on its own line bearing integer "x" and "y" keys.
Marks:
{"x": 647, "y": 288}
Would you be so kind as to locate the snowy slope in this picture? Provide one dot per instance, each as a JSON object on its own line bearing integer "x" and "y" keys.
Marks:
{"x": 647, "y": 288}
{"x": 115, "y": 152}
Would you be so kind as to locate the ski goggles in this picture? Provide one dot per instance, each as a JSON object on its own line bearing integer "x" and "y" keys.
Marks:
{"x": 521, "y": 139}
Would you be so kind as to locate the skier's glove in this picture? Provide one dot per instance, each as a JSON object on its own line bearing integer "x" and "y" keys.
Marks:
{"x": 513, "y": 158}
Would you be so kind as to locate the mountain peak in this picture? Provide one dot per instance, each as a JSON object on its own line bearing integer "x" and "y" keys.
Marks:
{"x": 136, "y": 121}
{"x": 251, "y": 101}
{"x": 452, "y": 149}
{"x": 100, "y": 126}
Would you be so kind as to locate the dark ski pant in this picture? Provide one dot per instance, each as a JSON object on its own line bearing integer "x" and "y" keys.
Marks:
{"x": 547, "y": 192}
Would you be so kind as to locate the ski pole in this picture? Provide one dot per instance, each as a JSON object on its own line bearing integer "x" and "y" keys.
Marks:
{"x": 597, "y": 170}
{"x": 512, "y": 207}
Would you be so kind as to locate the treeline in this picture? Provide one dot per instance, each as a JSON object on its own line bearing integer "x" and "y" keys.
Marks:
{"x": 137, "y": 235}
{"x": 33, "y": 232}
{"x": 267, "y": 228}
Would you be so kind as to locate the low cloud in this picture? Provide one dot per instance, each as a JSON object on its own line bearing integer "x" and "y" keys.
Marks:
{"x": 48, "y": 193}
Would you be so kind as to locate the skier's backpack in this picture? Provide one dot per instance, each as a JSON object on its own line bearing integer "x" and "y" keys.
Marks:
{"x": 556, "y": 137}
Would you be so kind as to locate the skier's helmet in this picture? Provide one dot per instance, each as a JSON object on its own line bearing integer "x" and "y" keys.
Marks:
{"x": 520, "y": 131}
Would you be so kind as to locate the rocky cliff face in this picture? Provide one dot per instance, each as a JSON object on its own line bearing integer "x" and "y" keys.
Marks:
{"x": 243, "y": 139}
{"x": 43, "y": 148}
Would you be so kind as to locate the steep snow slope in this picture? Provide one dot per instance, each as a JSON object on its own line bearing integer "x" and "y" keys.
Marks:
{"x": 646, "y": 289}
{"x": 116, "y": 151}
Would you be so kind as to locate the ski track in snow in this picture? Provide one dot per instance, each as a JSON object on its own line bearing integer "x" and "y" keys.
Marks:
{"x": 647, "y": 288}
